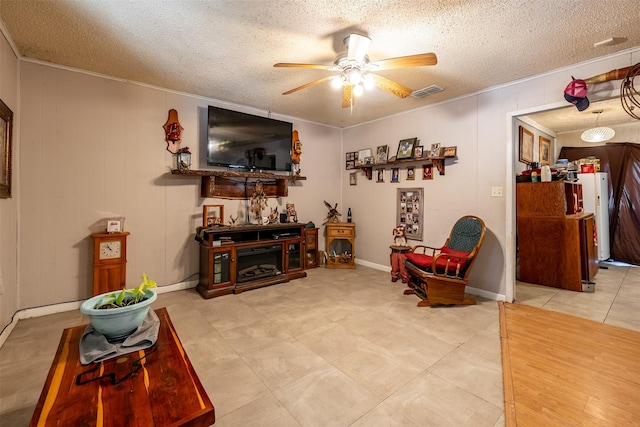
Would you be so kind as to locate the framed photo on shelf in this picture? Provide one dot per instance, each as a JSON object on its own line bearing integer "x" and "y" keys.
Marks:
{"x": 545, "y": 150}
{"x": 395, "y": 174}
{"x": 379, "y": 175}
{"x": 353, "y": 178}
{"x": 351, "y": 164}
{"x": 417, "y": 152}
{"x": 405, "y": 148}
{"x": 6, "y": 137}
{"x": 435, "y": 150}
{"x": 449, "y": 151}
{"x": 427, "y": 171}
{"x": 382, "y": 154}
{"x": 410, "y": 205}
{"x": 362, "y": 156}
{"x": 411, "y": 173}
{"x": 212, "y": 215}
{"x": 526, "y": 145}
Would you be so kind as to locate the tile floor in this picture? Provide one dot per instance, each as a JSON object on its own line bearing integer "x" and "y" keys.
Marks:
{"x": 338, "y": 348}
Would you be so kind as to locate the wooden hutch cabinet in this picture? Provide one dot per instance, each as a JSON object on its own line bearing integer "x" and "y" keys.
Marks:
{"x": 340, "y": 245}
{"x": 555, "y": 238}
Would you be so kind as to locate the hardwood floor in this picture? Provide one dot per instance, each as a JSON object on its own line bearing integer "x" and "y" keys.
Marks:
{"x": 564, "y": 370}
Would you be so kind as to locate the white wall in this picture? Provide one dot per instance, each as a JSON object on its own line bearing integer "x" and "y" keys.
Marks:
{"x": 9, "y": 207}
{"x": 94, "y": 147}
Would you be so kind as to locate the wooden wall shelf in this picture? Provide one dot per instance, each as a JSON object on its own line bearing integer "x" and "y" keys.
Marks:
{"x": 239, "y": 185}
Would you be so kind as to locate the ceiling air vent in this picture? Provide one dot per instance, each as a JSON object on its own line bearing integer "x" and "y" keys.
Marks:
{"x": 429, "y": 90}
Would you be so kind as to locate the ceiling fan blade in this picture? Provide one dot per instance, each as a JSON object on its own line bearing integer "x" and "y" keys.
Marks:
{"x": 391, "y": 86}
{"x": 358, "y": 46}
{"x": 347, "y": 96}
{"x": 419, "y": 60}
{"x": 315, "y": 82}
{"x": 316, "y": 66}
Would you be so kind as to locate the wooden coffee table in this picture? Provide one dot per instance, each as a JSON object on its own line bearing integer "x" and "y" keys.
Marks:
{"x": 152, "y": 387}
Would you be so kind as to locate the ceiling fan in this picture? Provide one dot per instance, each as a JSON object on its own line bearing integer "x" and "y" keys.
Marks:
{"x": 355, "y": 72}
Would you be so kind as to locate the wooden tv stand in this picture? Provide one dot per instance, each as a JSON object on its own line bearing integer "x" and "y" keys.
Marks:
{"x": 236, "y": 259}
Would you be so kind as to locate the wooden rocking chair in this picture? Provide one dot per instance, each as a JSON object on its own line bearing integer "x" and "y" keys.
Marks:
{"x": 439, "y": 275}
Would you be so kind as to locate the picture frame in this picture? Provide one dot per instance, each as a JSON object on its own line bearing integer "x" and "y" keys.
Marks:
{"x": 382, "y": 154}
{"x": 379, "y": 175}
{"x": 545, "y": 150}
{"x": 418, "y": 152}
{"x": 449, "y": 151}
{"x": 411, "y": 173}
{"x": 212, "y": 215}
{"x": 427, "y": 172}
{"x": 368, "y": 161}
{"x": 439, "y": 164}
{"x": 526, "y": 145}
{"x": 435, "y": 150}
{"x": 405, "y": 148}
{"x": 6, "y": 142}
{"x": 362, "y": 156}
{"x": 351, "y": 164}
{"x": 409, "y": 212}
{"x": 395, "y": 174}
{"x": 114, "y": 225}
{"x": 353, "y": 178}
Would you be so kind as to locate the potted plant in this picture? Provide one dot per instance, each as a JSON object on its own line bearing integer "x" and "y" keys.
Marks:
{"x": 117, "y": 314}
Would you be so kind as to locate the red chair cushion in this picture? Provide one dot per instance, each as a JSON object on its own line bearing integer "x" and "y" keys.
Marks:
{"x": 425, "y": 261}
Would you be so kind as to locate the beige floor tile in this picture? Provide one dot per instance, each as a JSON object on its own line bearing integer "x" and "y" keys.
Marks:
{"x": 383, "y": 416}
{"x": 414, "y": 346}
{"x": 266, "y": 411}
{"x": 326, "y": 397}
{"x": 332, "y": 341}
{"x": 246, "y": 339}
{"x": 370, "y": 325}
{"x": 429, "y": 400}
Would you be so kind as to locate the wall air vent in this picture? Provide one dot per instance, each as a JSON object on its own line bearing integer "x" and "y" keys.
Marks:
{"x": 429, "y": 90}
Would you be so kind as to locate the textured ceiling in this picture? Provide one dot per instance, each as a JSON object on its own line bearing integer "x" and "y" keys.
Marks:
{"x": 226, "y": 49}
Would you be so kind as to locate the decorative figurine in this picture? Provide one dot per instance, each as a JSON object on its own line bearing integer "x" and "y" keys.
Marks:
{"x": 234, "y": 221}
{"x": 333, "y": 214}
{"x": 184, "y": 158}
{"x": 258, "y": 202}
{"x": 173, "y": 132}
{"x": 292, "y": 216}
{"x": 399, "y": 236}
{"x": 273, "y": 216}
{"x": 296, "y": 152}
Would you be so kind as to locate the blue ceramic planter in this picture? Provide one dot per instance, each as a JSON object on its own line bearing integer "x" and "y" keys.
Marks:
{"x": 117, "y": 322}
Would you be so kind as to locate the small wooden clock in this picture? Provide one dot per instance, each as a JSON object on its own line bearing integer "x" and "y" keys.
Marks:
{"x": 109, "y": 261}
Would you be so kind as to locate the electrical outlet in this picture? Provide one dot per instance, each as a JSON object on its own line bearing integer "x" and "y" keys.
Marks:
{"x": 496, "y": 191}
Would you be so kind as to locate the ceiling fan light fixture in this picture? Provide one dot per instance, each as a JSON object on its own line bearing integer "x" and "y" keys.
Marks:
{"x": 337, "y": 82}
{"x": 368, "y": 82}
{"x": 358, "y": 90}
{"x": 354, "y": 76}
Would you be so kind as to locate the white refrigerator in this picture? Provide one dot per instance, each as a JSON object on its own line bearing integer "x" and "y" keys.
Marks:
{"x": 595, "y": 199}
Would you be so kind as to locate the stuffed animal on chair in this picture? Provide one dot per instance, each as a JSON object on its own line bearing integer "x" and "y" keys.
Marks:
{"x": 399, "y": 236}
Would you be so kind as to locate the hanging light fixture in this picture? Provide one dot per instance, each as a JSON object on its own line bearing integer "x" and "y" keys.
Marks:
{"x": 598, "y": 134}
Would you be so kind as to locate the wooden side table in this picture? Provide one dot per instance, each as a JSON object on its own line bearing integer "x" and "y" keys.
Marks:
{"x": 340, "y": 245}
{"x": 397, "y": 263}
{"x": 152, "y": 387}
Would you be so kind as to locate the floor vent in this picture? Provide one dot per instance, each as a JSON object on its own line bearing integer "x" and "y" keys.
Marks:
{"x": 429, "y": 90}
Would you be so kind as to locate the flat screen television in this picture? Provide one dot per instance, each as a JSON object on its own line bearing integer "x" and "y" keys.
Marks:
{"x": 248, "y": 142}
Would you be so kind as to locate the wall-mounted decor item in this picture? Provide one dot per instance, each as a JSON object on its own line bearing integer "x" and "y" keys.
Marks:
{"x": 395, "y": 175}
{"x": 380, "y": 175}
{"x": 411, "y": 173}
{"x": 545, "y": 151}
{"x": 351, "y": 164}
{"x": 351, "y": 160}
{"x": 439, "y": 164}
{"x": 173, "y": 132}
{"x": 353, "y": 178}
{"x": 427, "y": 171}
{"x": 382, "y": 154}
{"x": 435, "y": 150}
{"x": 6, "y": 130}
{"x": 405, "y": 148}
{"x": 410, "y": 205}
{"x": 526, "y": 145}
{"x": 296, "y": 152}
{"x": 418, "y": 152}
{"x": 212, "y": 215}
{"x": 449, "y": 151}
{"x": 363, "y": 155}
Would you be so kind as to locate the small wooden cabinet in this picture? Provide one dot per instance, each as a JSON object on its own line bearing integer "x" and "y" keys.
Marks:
{"x": 109, "y": 262}
{"x": 340, "y": 244}
{"x": 310, "y": 248}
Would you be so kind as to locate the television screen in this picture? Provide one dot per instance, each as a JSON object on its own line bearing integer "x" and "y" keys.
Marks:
{"x": 240, "y": 140}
